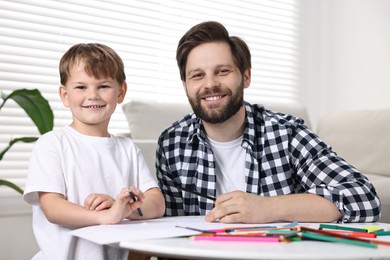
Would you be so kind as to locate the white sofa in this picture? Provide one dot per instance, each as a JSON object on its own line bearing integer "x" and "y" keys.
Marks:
{"x": 360, "y": 137}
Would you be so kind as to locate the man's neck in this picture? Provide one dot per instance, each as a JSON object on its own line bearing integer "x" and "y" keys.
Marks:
{"x": 229, "y": 130}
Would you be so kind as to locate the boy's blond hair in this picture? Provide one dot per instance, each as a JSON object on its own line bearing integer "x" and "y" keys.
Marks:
{"x": 99, "y": 60}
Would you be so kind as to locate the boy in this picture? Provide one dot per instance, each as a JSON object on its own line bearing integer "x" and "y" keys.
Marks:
{"x": 76, "y": 171}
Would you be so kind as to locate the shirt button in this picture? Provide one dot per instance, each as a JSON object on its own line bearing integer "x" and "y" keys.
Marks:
{"x": 211, "y": 165}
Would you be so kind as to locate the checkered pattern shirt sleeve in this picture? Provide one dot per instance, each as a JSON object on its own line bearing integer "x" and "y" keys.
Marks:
{"x": 283, "y": 157}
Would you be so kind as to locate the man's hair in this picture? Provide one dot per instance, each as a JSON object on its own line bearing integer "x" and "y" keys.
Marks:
{"x": 99, "y": 61}
{"x": 211, "y": 32}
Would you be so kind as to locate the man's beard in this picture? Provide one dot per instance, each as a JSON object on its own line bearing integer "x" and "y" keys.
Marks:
{"x": 214, "y": 115}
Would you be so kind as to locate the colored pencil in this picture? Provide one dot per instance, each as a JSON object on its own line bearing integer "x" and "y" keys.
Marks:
{"x": 372, "y": 228}
{"x": 235, "y": 238}
{"x": 337, "y": 227}
{"x": 324, "y": 232}
{"x": 382, "y": 233}
{"x": 353, "y": 233}
{"x": 243, "y": 229}
{"x": 336, "y": 239}
{"x": 333, "y": 234}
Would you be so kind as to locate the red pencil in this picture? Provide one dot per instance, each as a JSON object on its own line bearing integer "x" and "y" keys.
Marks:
{"x": 353, "y": 233}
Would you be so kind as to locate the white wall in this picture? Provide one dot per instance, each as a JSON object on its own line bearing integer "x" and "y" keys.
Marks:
{"x": 347, "y": 55}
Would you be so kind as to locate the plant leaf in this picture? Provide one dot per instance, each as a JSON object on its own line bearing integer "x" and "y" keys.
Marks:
{"x": 13, "y": 141}
{"x": 11, "y": 185}
{"x": 36, "y": 107}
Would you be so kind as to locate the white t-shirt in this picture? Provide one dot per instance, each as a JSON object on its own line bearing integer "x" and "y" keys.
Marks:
{"x": 230, "y": 165}
{"x": 67, "y": 162}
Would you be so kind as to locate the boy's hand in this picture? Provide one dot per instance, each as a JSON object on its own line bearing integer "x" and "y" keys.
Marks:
{"x": 124, "y": 206}
{"x": 136, "y": 200}
{"x": 97, "y": 201}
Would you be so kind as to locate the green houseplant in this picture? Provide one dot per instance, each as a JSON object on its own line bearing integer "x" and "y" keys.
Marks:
{"x": 40, "y": 112}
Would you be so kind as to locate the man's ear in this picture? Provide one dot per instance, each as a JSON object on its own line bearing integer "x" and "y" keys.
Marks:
{"x": 247, "y": 77}
{"x": 122, "y": 93}
{"x": 63, "y": 92}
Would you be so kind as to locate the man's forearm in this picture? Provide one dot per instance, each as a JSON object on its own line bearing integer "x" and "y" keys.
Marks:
{"x": 304, "y": 208}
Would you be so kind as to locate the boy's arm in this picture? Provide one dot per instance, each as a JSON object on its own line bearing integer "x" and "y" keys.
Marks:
{"x": 60, "y": 211}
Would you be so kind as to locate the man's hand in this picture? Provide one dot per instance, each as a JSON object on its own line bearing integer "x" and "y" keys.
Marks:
{"x": 239, "y": 207}
{"x": 242, "y": 207}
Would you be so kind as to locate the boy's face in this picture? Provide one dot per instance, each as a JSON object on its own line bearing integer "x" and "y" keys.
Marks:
{"x": 92, "y": 101}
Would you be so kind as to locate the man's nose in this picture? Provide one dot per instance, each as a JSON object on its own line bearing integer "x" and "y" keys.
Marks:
{"x": 211, "y": 81}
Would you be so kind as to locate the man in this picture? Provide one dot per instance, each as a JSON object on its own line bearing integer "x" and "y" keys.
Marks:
{"x": 262, "y": 166}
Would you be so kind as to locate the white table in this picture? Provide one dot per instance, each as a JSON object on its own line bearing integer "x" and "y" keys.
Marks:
{"x": 168, "y": 237}
{"x": 186, "y": 248}
{"x": 183, "y": 247}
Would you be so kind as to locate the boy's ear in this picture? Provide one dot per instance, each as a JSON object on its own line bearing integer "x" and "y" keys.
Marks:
{"x": 63, "y": 92}
{"x": 122, "y": 93}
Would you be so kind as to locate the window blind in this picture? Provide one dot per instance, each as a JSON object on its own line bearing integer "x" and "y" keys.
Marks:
{"x": 34, "y": 34}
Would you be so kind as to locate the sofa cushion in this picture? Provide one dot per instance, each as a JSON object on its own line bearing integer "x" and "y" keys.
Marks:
{"x": 360, "y": 137}
{"x": 147, "y": 119}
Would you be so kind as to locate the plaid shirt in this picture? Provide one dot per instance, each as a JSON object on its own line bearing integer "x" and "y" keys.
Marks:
{"x": 283, "y": 157}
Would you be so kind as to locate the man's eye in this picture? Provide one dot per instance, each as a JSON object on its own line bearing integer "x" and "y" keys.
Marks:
{"x": 223, "y": 72}
{"x": 196, "y": 76}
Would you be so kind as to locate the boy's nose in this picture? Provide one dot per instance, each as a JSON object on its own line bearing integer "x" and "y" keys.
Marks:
{"x": 92, "y": 93}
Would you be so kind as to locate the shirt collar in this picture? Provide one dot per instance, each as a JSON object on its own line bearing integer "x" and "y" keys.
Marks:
{"x": 198, "y": 133}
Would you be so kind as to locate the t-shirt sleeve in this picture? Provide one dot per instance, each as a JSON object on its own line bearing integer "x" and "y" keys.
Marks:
{"x": 44, "y": 172}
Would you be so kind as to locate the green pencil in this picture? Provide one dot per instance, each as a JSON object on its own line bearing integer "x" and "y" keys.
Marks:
{"x": 337, "y": 240}
{"x": 327, "y": 226}
{"x": 382, "y": 233}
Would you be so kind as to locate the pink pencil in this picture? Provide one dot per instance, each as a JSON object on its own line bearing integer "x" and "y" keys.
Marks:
{"x": 235, "y": 238}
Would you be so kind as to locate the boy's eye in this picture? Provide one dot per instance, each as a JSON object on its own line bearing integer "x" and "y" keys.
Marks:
{"x": 81, "y": 87}
{"x": 104, "y": 86}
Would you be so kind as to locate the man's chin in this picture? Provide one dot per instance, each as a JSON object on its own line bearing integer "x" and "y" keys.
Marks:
{"x": 213, "y": 117}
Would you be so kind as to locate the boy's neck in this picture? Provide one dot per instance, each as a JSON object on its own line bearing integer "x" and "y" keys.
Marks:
{"x": 91, "y": 130}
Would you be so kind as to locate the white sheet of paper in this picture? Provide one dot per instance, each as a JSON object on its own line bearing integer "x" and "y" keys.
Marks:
{"x": 147, "y": 229}
{"x": 129, "y": 231}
